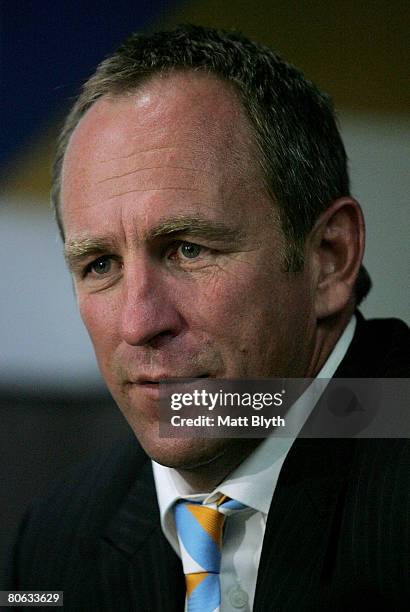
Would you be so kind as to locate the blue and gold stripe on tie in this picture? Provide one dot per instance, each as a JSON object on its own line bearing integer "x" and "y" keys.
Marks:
{"x": 200, "y": 531}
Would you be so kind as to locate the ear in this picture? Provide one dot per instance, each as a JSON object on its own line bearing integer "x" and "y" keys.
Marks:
{"x": 335, "y": 251}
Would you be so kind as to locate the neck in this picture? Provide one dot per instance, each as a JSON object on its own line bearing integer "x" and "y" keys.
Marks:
{"x": 328, "y": 333}
{"x": 205, "y": 478}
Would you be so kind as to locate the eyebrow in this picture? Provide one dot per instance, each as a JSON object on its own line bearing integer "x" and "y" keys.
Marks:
{"x": 78, "y": 249}
{"x": 196, "y": 227}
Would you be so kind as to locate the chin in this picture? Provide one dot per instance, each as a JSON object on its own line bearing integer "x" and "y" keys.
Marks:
{"x": 183, "y": 453}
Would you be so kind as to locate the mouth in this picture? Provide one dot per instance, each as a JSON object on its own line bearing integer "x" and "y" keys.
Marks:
{"x": 166, "y": 379}
{"x": 152, "y": 385}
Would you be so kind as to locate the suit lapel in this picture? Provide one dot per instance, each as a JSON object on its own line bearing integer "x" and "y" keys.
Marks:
{"x": 299, "y": 547}
{"x": 155, "y": 580}
{"x": 137, "y": 516}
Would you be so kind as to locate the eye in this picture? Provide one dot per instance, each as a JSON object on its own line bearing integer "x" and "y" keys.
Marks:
{"x": 100, "y": 266}
{"x": 189, "y": 250}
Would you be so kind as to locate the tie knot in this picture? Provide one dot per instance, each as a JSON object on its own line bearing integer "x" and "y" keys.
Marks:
{"x": 226, "y": 505}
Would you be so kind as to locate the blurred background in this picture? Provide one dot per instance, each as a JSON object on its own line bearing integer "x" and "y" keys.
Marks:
{"x": 54, "y": 409}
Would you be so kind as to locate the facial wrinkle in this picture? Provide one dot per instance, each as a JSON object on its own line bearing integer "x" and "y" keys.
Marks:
{"x": 139, "y": 152}
{"x": 117, "y": 176}
{"x": 117, "y": 195}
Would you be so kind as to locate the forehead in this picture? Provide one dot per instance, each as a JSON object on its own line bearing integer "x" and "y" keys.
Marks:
{"x": 196, "y": 112}
{"x": 178, "y": 138}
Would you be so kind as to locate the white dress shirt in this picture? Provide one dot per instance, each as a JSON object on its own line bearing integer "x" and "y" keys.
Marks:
{"x": 253, "y": 483}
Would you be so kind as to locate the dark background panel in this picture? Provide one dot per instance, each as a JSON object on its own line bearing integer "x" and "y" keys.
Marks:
{"x": 43, "y": 435}
{"x": 49, "y": 47}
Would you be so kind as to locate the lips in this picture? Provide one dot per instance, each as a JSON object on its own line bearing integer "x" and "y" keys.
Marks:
{"x": 151, "y": 386}
{"x": 155, "y": 380}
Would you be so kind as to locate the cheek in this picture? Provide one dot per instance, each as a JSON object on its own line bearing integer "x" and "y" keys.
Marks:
{"x": 231, "y": 307}
{"x": 212, "y": 301}
{"x": 255, "y": 321}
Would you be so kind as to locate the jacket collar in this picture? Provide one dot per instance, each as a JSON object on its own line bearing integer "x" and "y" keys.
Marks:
{"x": 137, "y": 517}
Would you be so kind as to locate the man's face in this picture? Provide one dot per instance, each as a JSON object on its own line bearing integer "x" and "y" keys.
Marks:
{"x": 176, "y": 254}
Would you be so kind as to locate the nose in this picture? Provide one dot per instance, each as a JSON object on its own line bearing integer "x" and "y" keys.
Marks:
{"x": 149, "y": 314}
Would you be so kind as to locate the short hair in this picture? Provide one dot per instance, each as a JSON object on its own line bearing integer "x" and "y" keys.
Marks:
{"x": 301, "y": 153}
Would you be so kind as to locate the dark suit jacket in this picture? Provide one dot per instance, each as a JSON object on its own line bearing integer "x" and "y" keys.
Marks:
{"x": 337, "y": 536}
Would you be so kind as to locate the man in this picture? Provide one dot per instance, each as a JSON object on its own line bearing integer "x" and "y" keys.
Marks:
{"x": 202, "y": 195}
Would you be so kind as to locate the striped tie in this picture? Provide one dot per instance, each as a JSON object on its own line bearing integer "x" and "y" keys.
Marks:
{"x": 199, "y": 530}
